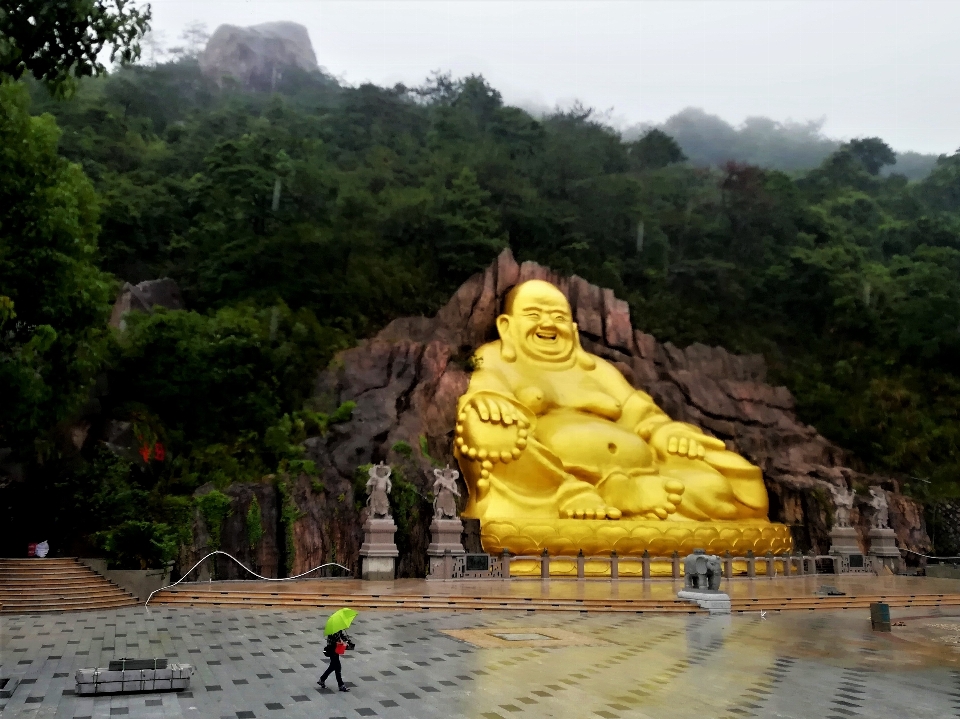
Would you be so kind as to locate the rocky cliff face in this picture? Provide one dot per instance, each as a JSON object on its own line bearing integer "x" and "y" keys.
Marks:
{"x": 264, "y": 557}
{"x": 257, "y": 56}
{"x": 144, "y": 297}
{"x": 407, "y": 379}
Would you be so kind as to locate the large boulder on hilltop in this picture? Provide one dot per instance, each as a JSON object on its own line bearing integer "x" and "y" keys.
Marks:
{"x": 406, "y": 380}
{"x": 257, "y": 56}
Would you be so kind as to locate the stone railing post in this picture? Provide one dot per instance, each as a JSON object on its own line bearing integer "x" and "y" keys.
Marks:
{"x": 787, "y": 561}
{"x": 545, "y": 565}
{"x": 580, "y": 565}
{"x": 728, "y": 565}
{"x": 676, "y": 565}
{"x": 505, "y": 564}
{"x": 645, "y": 573}
{"x": 614, "y": 565}
{"x": 802, "y": 562}
{"x": 751, "y": 564}
{"x": 771, "y": 567}
{"x": 813, "y": 563}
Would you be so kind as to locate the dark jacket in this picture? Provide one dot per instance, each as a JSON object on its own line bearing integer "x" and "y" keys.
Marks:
{"x": 332, "y": 639}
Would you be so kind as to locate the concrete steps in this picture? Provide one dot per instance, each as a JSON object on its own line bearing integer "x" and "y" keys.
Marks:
{"x": 56, "y": 585}
{"x": 192, "y": 596}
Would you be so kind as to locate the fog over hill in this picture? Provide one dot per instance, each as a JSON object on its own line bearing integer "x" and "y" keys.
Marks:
{"x": 249, "y": 55}
{"x": 789, "y": 146}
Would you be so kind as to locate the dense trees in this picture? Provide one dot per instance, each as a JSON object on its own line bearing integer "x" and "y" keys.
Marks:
{"x": 54, "y": 299}
{"x": 62, "y": 40}
{"x": 299, "y": 222}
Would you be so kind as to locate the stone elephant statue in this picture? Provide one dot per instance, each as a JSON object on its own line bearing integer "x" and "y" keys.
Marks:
{"x": 702, "y": 571}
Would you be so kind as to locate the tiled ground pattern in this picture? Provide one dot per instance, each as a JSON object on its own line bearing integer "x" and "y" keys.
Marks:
{"x": 265, "y": 663}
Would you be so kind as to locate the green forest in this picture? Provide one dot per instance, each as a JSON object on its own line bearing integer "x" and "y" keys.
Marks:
{"x": 299, "y": 222}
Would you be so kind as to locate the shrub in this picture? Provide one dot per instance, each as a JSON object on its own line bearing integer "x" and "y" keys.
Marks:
{"x": 254, "y": 523}
{"x": 214, "y": 508}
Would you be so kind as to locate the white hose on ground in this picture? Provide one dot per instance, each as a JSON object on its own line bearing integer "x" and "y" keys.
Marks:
{"x": 267, "y": 579}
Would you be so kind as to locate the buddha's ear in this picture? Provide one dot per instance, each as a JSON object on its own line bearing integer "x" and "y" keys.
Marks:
{"x": 508, "y": 352}
{"x": 585, "y": 360}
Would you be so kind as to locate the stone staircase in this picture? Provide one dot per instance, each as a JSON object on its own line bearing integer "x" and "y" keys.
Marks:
{"x": 56, "y": 585}
{"x": 240, "y": 597}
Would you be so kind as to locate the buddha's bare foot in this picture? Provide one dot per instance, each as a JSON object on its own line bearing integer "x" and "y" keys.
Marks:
{"x": 647, "y": 496}
{"x": 589, "y": 505}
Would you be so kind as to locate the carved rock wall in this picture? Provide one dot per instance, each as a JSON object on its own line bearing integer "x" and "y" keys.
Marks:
{"x": 407, "y": 379}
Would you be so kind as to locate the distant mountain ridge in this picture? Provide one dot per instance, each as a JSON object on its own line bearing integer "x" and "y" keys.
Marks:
{"x": 789, "y": 146}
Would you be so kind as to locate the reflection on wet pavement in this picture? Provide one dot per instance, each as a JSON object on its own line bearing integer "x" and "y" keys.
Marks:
{"x": 495, "y": 665}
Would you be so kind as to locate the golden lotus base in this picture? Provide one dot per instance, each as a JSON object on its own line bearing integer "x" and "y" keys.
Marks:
{"x": 630, "y": 538}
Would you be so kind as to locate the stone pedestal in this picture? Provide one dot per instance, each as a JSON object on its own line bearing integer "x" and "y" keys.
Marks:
{"x": 844, "y": 544}
{"x": 445, "y": 534}
{"x": 883, "y": 550}
{"x": 843, "y": 540}
{"x": 445, "y": 537}
{"x": 378, "y": 553}
{"x": 714, "y": 602}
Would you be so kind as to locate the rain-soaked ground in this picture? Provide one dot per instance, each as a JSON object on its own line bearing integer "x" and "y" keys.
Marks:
{"x": 259, "y": 663}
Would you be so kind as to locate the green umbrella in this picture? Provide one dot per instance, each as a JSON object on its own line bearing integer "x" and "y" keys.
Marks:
{"x": 339, "y": 620}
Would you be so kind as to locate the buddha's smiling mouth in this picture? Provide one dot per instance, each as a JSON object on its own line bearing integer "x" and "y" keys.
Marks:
{"x": 547, "y": 335}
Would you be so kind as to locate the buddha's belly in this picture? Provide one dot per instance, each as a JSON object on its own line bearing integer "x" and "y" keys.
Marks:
{"x": 587, "y": 441}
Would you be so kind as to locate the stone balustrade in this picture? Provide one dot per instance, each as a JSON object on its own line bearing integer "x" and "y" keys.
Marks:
{"x": 505, "y": 566}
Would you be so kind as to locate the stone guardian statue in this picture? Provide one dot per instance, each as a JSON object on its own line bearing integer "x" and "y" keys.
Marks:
{"x": 379, "y": 551}
{"x": 843, "y": 503}
{"x": 378, "y": 491}
{"x": 878, "y": 500}
{"x": 445, "y": 493}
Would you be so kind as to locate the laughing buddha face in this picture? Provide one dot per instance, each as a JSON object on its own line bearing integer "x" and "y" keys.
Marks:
{"x": 538, "y": 321}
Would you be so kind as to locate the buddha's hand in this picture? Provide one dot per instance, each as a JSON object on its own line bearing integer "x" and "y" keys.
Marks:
{"x": 491, "y": 428}
{"x": 681, "y": 440}
{"x": 491, "y": 408}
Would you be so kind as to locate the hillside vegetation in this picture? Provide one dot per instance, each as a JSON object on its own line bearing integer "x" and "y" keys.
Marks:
{"x": 709, "y": 140}
{"x": 299, "y": 222}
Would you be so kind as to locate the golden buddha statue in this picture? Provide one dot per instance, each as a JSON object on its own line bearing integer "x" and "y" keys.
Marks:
{"x": 549, "y": 434}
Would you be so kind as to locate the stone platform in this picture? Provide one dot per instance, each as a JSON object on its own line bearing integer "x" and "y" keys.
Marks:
{"x": 566, "y": 595}
{"x": 713, "y": 602}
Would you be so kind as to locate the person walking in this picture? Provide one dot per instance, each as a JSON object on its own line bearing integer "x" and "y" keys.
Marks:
{"x": 338, "y": 642}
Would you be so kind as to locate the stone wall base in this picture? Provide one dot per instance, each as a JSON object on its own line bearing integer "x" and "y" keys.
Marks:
{"x": 379, "y": 568}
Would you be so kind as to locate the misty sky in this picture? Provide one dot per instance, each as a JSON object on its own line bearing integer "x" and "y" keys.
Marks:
{"x": 889, "y": 68}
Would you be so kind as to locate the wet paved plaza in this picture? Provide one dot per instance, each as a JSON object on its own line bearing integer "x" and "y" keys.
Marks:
{"x": 264, "y": 663}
